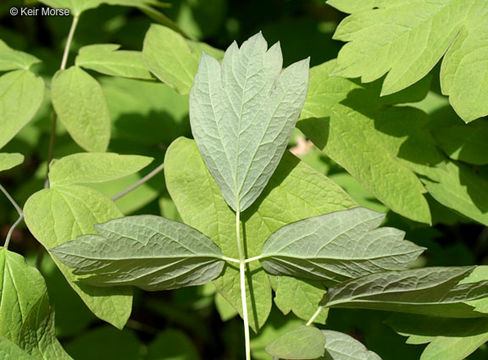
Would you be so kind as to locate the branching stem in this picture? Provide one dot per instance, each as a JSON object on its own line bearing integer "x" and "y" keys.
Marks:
{"x": 19, "y": 211}
{"x": 242, "y": 275}
{"x": 139, "y": 183}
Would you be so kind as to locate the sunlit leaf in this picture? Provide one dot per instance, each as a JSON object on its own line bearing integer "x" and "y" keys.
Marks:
{"x": 81, "y": 106}
{"x": 21, "y": 94}
{"x": 94, "y": 167}
{"x": 107, "y": 59}
{"x": 25, "y": 316}
{"x": 242, "y": 114}
{"x": 60, "y": 214}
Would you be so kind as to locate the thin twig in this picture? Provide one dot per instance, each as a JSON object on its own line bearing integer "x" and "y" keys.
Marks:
{"x": 19, "y": 211}
{"x": 139, "y": 183}
{"x": 14, "y": 203}
{"x": 11, "y": 230}
{"x": 64, "y": 60}
{"x": 68, "y": 42}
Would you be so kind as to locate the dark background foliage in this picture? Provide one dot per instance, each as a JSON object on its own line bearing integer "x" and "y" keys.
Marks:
{"x": 145, "y": 123}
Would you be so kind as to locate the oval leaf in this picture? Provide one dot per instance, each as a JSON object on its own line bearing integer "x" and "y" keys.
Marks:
{"x": 81, "y": 106}
{"x": 433, "y": 291}
{"x": 94, "y": 167}
{"x": 339, "y": 246}
{"x": 146, "y": 251}
{"x": 162, "y": 46}
{"x": 242, "y": 114}
{"x": 21, "y": 94}
{"x": 303, "y": 342}
{"x": 61, "y": 213}
{"x": 106, "y": 59}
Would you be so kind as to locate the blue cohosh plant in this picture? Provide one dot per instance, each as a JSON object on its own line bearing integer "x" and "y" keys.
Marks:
{"x": 255, "y": 219}
{"x": 242, "y": 113}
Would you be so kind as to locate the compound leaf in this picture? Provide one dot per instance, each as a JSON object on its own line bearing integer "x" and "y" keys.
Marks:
{"x": 81, "y": 106}
{"x": 146, "y": 251}
{"x": 295, "y": 191}
{"x": 340, "y": 346}
{"x": 172, "y": 58}
{"x": 21, "y": 94}
{"x": 347, "y": 122}
{"x": 407, "y": 38}
{"x": 25, "y": 316}
{"x": 11, "y": 59}
{"x": 303, "y": 342}
{"x": 8, "y": 161}
{"x": 433, "y": 291}
{"x": 94, "y": 168}
{"x": 107, "y": 59}
{"x": 62, "y": 213}
{"x": 242, "y": 114}
{"x": 337, "y": 247}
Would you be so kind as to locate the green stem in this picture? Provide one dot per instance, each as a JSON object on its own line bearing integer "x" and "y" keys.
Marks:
{"x": 64, "y": 60}
{"x": 314, "y": 316}
{"x": 139, "y": 183}
{"x": 19, "y": 210}
{"x": 68, "y": 41}
{"x": 242, "y": 275}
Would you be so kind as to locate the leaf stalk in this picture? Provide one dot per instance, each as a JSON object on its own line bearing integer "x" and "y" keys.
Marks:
{"x": 242, "y": 276}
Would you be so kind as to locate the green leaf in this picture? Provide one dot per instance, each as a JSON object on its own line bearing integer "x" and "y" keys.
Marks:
{"x": 407, "y": 38}
{"x": 94, "y": 168}
{"x": 340, "y": 346}
{"x": 150, "y": 252}
{"x": 105, "y": 342}
{"x": 8, "y": 161}
{"x": 21, "y": 94}
{"x": 432, "y": 291}
{"x": 60, "y": 214}
{"x": 242, "y": 114}
{"x": 299, "y": 296}
{"x": 464, "y": 142}
{"x": 294, "y": 192}
{"x": 172, "y": 58}
{"x": 172, "y": 345}
{"x": 448, "y": 339}
{"x": 107, "y": 59}
{"x": 10, "y": 351}
{"x": 337, "y": 247}
{"x": 303, "y": 342}
{"x": 25, "y": 316}
{"x": 459, "y": 187}
{"x": 80, "y": 105}
{"x": 11, "y": 59}
{"x": 349, "y": 124}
